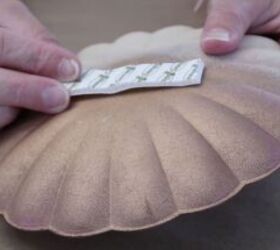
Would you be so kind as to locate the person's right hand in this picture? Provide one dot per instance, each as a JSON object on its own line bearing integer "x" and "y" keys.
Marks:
{"x": 32, "y": 64}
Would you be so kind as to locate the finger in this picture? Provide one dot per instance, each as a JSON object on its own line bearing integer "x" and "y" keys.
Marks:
{"x": 36, "y": 57}
{"x": 225, "y": 26}
{"x": 32, "y": 92}
{"x": 16, "y": 16}
{"x": 7, "y": 116}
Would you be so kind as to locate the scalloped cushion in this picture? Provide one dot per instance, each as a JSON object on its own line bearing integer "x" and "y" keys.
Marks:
{"x": 137, "y": 159}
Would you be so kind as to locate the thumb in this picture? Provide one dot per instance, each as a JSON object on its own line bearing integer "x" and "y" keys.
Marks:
{"x": 225, "y": 26}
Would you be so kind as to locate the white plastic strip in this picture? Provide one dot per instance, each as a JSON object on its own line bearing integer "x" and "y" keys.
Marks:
{"x": 96, "y": 81}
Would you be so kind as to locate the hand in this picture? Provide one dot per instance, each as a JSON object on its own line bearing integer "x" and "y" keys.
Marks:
{"x": 229, "y": 20}
{"x": 32, "y": 64}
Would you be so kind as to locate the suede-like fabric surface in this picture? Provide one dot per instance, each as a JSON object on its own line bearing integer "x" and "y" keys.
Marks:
{"x": 249, "y": 221}
{"x": 138, "y": 159}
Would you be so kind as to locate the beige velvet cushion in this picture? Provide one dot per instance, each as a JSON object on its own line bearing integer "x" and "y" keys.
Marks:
{"x": 137, "y": 159}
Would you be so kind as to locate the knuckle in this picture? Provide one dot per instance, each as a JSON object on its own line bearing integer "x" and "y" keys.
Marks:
{"x": 44, "y": 35}
{"x": 39, "y": 58}
{"x": 236, "y": 18}
{"x": 230, "y": 12}
{"x": 18, "y": 93}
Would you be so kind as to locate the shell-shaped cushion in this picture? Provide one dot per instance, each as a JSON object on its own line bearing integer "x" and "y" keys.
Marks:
{"x": 137, "y": 159}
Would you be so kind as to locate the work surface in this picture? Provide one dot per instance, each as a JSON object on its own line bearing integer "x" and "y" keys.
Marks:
{"x": 251, "y": 220}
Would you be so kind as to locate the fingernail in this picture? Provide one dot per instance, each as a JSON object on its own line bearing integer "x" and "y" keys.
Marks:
{"x": 55, "y": 99}
{"x": 217, "y": 34}
{"x": 68, "y": 70}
